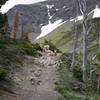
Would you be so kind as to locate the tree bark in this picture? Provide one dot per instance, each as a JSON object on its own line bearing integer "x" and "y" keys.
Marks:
{"x": 83, "y": 8}
{"x": 84, "y": 49}
{"x": 75, "y": 36}
{"x": 74, "y": 48}
{"x": 15, "y": 26}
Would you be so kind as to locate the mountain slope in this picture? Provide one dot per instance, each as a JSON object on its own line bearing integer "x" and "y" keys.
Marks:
{"x": 60, "y": 36}
{"x": 35, "y": 16}
{"x": 63, "y": 36}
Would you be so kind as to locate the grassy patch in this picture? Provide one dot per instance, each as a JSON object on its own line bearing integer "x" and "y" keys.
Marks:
{"x": 69, "y": 85}
{"x": 12, "y": 54}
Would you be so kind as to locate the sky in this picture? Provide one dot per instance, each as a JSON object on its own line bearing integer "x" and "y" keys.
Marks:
{"x": 11, "y": 3}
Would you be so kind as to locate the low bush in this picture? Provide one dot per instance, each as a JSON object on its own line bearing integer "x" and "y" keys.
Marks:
{"x": 69, "y": 85}
{"x": 12, "y": 53}
{"x": 66, "y": 59}
{"x": 3, "y": 74}
{"x": 31, "y": 50}
{"x": 77, "y": 72}
{"x": 36, "y": 46}
{"x": 52, "y": 46}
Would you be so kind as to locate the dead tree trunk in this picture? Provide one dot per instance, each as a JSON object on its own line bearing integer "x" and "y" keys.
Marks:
{"x": 84, "y": 51}
{"x": 85, "y": 32}
{"x": 83, "y": 8}
{"x": 15, "y": 26}
{"x": 75, "y": 36}
{"x": 74, "y": 48}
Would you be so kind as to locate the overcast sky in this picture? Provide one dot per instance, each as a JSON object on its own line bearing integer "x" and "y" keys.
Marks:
{"x": 11, "y": 3}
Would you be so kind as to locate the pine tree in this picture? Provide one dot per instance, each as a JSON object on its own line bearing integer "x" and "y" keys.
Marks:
{"x": 3, "y": 2}
{"x": 3, "y": 19}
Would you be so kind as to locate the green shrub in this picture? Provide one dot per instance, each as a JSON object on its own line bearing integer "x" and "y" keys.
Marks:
{"x": 98, "y": 56}
{"x": 36, "y": 46}
{"x": 12, "y": 52}
{"x": 77, "y": 72}
{"x": 52, "y": 46}
{"x": 31, "y": 49}
{"x": 66, "y": 59}
{"x": 10, "y": 55}
{"x": 3, "y": 74}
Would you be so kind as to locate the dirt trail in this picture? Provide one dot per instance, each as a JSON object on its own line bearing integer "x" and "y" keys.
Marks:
{"x": 35, "y": 80}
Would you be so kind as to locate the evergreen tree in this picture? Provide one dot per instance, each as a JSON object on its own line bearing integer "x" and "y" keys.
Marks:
{"x": 2, "y": 2}
{"x": 3, "y": 19}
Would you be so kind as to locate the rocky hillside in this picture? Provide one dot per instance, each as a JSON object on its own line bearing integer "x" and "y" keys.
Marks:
{"x": 37, "y": 15}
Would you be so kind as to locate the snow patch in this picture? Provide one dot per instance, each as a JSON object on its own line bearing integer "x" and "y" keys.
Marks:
{"x": 57, "y": 9}
{"x": 49, "y": 28}
{"x": 64, "y": 7}
{"x": 96, "y": 12}
{"x": 50, "y": 6}
{"x": 49, "y": 15}
{"x": 78, "y": 18}
{"x": 72, "y": 19}
{"x": 11, "y": 3}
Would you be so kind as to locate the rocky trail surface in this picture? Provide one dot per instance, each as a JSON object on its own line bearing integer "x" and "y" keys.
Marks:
{"x": 35, "y": 79}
